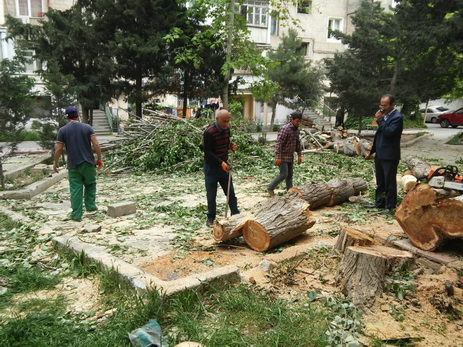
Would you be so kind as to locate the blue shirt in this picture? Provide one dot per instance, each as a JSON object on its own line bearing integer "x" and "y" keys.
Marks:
{"x": 76, "y": 138}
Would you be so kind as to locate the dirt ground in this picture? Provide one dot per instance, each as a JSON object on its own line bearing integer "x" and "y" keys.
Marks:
{"x": 430, "y": 315}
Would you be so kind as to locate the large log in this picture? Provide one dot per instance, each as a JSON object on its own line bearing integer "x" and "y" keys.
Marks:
{"x": 277, "y": 220}
{"x": 351, "y": 237}
{"x": 418, "y": 167}
{"x": 361, "y": 274}
{"x": 428, "y": 219}
{"x": 330, "y": 193}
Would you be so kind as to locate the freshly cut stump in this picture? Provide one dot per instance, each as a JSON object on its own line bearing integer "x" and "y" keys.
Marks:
{"x": 229, "y": 228}
{"x": 351, "y": 237}
{"x": 362, "y": 271}
{"x": 427, "y": 219}
{"x": 277, "y": 220}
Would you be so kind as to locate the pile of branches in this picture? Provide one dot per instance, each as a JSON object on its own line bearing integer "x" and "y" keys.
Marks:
{"x": 164, "y": 142}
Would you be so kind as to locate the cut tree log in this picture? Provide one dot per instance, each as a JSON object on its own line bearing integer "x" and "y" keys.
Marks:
{"x": 362, "y": 271}
{"x": 350, "y": 146}
{"x": 429, "y": 219}
{"x": 408, "y": 183}
{"x": 330, "y": 193}
{"x": 229, "y": 228}
{"x": 277, "y": 220}
{"x": 351, "y": 237}
{"x": 418, "y": 167}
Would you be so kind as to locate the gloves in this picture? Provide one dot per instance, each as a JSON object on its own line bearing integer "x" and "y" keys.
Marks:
{"x": 233, "y": 146}
{"x": 226, "y": 167}
{"x": 299, "y": 159}
{"x": 277, "y": 162}
{"x": 99, "y": 164}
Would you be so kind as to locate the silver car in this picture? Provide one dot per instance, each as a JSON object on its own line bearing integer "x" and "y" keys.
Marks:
{"x": 433, "y": 113}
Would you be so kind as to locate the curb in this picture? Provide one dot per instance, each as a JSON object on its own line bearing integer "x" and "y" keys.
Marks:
{"x": 34, "y": 188}
{"x": 19, "y": 170}
{"x": 415, "y": 140}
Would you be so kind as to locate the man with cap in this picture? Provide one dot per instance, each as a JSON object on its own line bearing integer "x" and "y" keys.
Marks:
{"x": 78, "y": 139}
{"x": 288, "y": 142}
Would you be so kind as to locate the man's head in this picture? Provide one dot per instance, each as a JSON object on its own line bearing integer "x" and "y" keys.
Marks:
{"x": 296, "y": 118}
{"x": 71, "y": 112}
{"x": 387, "y": 103}
{"x": 223, "y": 119}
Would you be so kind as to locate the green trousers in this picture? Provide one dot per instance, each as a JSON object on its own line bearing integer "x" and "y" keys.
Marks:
{"x": 82, "y": 185}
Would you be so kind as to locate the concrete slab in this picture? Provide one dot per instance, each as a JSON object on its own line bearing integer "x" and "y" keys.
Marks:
{"x": 34, "y": 188}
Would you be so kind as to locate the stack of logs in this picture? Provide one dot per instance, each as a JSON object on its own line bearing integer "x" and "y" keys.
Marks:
{"x": 281, "y": 218}
{"x": 337, "y": 140}
{"x": 428, "y": 216}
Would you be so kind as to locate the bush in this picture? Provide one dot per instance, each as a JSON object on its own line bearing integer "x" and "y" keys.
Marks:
{"x": 29, "y": 135}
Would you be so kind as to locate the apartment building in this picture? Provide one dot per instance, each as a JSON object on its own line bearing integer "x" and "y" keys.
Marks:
{"x": 315, "y": 18}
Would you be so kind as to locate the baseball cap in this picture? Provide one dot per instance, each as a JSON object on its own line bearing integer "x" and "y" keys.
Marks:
{"x": 71, "y": 112}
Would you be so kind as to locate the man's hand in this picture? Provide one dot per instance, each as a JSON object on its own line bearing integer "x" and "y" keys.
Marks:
{"x": 277, "y": 162}
{"x": 233, "y": 146}
{"x": 299, "y": 159}
{"x": 99, "y": 164}
{"x": 226, "y": 167}
{"x": 55, "y": 168}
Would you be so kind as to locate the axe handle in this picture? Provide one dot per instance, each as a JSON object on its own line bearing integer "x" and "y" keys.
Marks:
{"x": 228, "y": 186}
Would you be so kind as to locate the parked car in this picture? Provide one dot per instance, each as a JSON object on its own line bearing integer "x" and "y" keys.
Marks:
{"x": 453, "y": 118}
{"x": 433, "y": 113}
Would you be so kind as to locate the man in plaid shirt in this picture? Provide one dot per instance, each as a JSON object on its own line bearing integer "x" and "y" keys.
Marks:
{"x": 288, "y": 142}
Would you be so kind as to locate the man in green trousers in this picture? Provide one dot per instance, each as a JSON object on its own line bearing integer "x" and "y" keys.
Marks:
{"x": 78, "y": 139}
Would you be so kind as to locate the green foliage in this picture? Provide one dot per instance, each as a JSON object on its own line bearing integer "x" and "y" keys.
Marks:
{"x": 400, "y": 283}
{"x": 16, "y": 97}
{"x": 456, "y": 139}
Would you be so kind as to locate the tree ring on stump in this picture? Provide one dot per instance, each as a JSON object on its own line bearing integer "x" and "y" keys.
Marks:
{"x": 256, "y": 236}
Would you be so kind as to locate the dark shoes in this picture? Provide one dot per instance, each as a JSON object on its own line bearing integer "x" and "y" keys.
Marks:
{"x": 271, "y": 192}
{"x": 210, "y": 223}
{"x": 374, "y": 206}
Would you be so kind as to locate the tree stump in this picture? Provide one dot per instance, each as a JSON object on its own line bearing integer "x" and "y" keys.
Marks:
{"x": 229, "y": 228}
{"x": 276, "y": 221}
{"x": 418, "y": 167}
{"x": 362, "y": 271}
{"x": 351, "y": 237}
{"x": 329, "y": 193}
{"x": 428, "y": 219}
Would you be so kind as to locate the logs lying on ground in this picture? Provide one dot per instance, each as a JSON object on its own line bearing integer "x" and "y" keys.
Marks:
{"x": 271, "y": 223}
{"x": 330, "y": 193}
{"x": 418, "y": 167}
{"x": 428, "y": 218}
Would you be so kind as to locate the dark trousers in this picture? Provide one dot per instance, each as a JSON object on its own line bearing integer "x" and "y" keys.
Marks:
{"x": 214, "y": 175}
{"x": 286, "y": 173}
{"x": 386, "y": 183}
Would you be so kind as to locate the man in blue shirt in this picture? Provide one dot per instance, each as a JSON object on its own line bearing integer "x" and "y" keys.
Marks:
{"x": 78, "y": 139}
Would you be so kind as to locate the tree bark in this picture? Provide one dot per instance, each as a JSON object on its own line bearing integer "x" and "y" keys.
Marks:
{"x": 351, "y": 237}
{"x": 330, "y": 193}
{"x": 429, "y": 219}
{"x": 276, "y": 221}
{"x": 362, "y": 271}
{"x": 418, "y": 167}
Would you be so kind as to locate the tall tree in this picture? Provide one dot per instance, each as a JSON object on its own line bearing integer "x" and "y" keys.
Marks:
{"x": 289, "y": 78}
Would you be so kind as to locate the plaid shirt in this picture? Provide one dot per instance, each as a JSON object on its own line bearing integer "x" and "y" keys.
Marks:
{"x": 288, "y": 142}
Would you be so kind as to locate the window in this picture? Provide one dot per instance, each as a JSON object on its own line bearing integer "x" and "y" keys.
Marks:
{"x": 255, "y": 12}
{"x": 304, "y": 6}
{"x": 305, "y": 48}
{"x": 274, "y": 26}
{"x": 29, "y": 8}
{"x": 334, "y": 24}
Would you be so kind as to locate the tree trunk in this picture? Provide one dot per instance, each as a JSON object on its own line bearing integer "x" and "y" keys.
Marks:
{"x": 276, "y": 221}
{"x": 351, "y": 237}
{"x": 418, "y": 167}
{"x": 362, "y": 271}
{"x": 428, "y": 219}
{"x": 229, "y": 228}
{"x": 330, "y": 193}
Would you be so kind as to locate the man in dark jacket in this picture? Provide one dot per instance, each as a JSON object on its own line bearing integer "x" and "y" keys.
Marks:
{"x": 216, "y": 168}
{"x": 386, "y": 145}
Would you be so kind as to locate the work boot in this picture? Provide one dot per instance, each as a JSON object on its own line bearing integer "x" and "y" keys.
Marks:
{"x": 210, "y": 223}
{"x": 271, "y": 192}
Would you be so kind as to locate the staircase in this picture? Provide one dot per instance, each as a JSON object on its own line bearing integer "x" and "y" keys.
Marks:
{"x": 100, "y": 123}
{"x": 318, "y": 120}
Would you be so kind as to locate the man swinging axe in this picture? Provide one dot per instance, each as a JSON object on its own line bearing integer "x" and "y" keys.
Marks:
{"x": 216, "y": 168}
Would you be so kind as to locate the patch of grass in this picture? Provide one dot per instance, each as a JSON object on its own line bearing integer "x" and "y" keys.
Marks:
{"x": 456, "y": 139}
{"x": 420, "y": 133}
